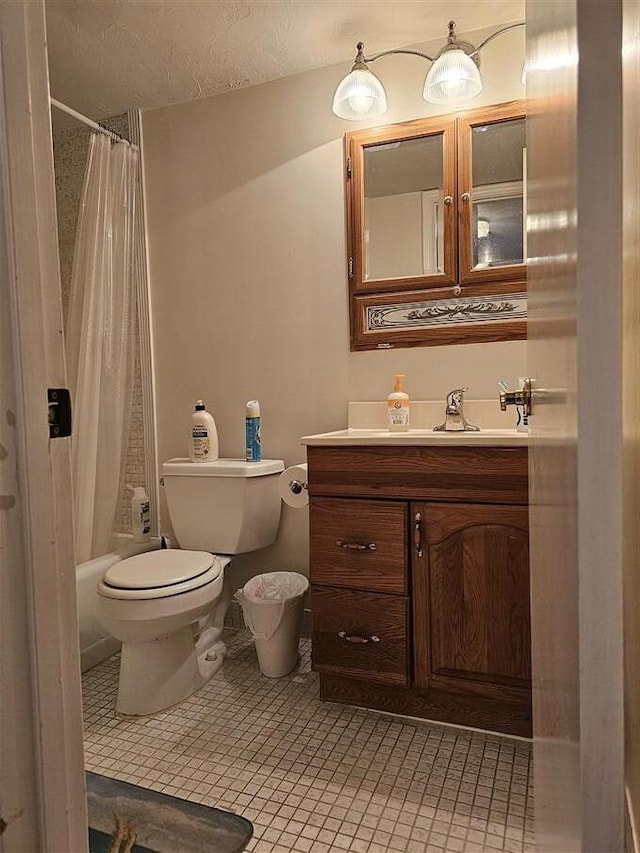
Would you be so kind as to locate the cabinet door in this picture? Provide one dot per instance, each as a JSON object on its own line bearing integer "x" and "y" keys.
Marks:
{"x": 401, "y": 224}
{"x": 471, "y": 598}
{"x": 491, "y": 200}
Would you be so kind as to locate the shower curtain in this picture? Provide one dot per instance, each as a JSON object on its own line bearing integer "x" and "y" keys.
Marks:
{"x": 99, "y": 335}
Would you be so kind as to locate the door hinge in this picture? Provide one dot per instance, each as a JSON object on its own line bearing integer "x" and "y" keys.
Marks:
{"x": 350, "y": 267}
{"x": 59, "y": 400}
{"x": 348, "y": 167}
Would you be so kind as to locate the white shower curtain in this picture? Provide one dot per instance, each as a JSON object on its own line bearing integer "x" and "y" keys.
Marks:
{"x": 99, "y": 334}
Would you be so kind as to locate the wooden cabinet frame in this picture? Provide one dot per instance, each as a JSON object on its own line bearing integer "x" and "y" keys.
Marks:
{"x": 459, "y": 305}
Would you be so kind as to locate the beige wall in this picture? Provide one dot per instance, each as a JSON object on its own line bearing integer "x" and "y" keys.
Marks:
{"x": 247, "y": 254}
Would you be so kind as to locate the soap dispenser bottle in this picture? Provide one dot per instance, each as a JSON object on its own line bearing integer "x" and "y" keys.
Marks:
{"x": 203, "y": 446}
{"x": 398, "y": 404}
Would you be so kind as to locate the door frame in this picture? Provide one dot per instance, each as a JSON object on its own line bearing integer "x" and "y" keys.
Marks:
{"x": 53, "y": 807}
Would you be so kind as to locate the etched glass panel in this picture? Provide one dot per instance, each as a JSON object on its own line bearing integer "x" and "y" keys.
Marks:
{"x": 403, "y": 209}
{"x": 449, "y": 311}
{"x": 497, "y": 224}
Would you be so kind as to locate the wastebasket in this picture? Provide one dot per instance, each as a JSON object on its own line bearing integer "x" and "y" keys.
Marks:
{"x": 272, "y": 606}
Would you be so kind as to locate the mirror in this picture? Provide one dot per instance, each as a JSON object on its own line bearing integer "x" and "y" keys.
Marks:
{"x": 403, "y": 204}
{"x": 497, "y": 232}
{"x": 400, "y": 213}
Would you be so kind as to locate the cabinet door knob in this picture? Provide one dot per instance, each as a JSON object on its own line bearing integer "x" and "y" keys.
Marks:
{"x": 356, "y": 546}
{"x": 448, "y": 200}
{"x": 465, "y": 197}
{"x": 353, "y": 638}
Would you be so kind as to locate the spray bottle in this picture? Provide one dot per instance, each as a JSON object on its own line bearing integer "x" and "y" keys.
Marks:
{"x": 252, "y": 431}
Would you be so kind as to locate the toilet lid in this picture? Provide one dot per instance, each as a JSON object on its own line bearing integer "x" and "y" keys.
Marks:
{"x": 161, "y": 569}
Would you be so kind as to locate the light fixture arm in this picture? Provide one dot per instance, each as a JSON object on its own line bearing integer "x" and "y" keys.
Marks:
{"x": 495, "y": 35}
{"x": 406, "y": 52}
{"x": 450, "y": 40}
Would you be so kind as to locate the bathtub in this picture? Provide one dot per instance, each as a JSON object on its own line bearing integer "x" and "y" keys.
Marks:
{"x": 95, "y": 643}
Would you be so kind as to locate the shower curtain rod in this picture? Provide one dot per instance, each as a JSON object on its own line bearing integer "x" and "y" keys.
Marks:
{"x": 88, "y": 121}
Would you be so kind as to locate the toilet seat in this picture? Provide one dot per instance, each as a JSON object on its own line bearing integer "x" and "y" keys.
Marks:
{"x": 160, "y": 574}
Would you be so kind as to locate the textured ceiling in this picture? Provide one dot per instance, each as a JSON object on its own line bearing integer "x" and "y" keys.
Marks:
{"x": 108, "y": 55}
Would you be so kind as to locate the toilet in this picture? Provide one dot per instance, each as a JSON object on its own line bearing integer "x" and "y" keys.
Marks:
{"x": 167, "y": 607}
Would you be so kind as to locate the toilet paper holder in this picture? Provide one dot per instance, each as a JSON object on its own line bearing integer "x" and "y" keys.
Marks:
{"x": 293, "y": 487}
{"x": 297, "y": 487}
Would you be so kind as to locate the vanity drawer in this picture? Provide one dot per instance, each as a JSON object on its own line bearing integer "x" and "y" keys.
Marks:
{"x": 343, "y": 618}
{"x": 359, "y": 544}
{"x": 469, "y": 474}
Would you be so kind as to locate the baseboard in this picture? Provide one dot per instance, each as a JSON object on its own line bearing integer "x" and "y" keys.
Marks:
{"x": 96, "y": 653}
{"x": 234, "y": 619}
{"x": 471, "y": 711}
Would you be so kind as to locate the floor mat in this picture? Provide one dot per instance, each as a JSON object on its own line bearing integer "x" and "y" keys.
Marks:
{"x": 161, "y": 823}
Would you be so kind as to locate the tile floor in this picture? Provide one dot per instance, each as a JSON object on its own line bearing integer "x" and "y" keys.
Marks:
{"x": 316, "y": 777}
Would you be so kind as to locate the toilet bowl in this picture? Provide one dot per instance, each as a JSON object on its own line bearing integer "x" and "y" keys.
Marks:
{"x": 167, "y": 607}
{"x": 153, "y": 603}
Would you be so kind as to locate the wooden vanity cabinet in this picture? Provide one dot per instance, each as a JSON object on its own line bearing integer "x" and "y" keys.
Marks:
{"x": 419, "y": 571}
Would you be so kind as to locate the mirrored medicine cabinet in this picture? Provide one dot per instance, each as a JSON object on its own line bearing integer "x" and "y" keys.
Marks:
{"x": 436, "y": 240}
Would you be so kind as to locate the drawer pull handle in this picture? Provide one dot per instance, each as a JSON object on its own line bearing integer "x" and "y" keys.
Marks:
{"x": 348, "y": 638}
{"x": 356, "y": 546}
{"x": 417, "y": 534}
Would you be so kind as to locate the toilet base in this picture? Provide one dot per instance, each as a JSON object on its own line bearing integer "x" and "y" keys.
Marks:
{"x": 159, "y": 673}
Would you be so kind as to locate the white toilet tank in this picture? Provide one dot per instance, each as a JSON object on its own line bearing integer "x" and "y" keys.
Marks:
{"x": 225, "y": 507}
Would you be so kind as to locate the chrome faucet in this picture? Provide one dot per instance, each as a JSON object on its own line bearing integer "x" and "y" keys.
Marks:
{"x": 455, "y": 420}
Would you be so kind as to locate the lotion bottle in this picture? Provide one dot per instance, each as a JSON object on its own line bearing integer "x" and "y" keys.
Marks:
{"x": 140, "y": 514}
{"x": 398, "y": 407}
{"x": 203, "y": 446}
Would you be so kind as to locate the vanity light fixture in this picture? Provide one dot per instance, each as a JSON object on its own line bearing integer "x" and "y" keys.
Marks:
{"x": 454, "y": 76}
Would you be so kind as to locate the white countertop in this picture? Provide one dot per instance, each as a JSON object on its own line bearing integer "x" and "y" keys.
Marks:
{"x": 418, "y": 437}
{"x": 367, "y": 426}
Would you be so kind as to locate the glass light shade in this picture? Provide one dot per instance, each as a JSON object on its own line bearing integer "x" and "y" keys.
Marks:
{"x": 454, "y": 76}
{"x": 360, "y": 95}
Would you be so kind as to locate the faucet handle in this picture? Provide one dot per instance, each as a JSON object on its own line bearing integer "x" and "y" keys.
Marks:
{"x": 519, "y": 397}
{"x": 455, "y": 397}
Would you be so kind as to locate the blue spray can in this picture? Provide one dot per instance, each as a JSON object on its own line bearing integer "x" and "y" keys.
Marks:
{"x": 252, "y": 431}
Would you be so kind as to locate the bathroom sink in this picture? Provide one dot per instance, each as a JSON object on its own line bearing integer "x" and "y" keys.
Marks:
{"x": 354, "y": 437}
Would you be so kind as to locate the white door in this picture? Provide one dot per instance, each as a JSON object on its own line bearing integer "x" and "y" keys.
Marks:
{"x": 42, "y": 792}
{"x": 575, "y": 349}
